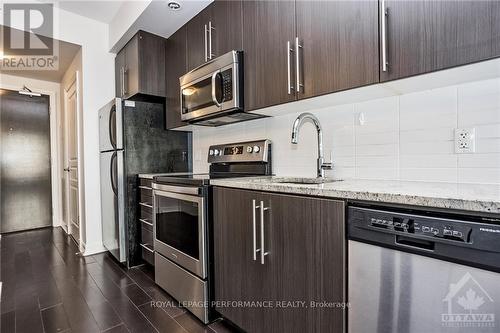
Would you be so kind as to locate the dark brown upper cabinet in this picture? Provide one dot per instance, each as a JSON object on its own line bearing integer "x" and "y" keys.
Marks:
{"x": 175, "y": 68}
{"x": 304, "y": 259}
{"x": 119, "y": 76}
{"x": 268, "y": 27}
{"x": 197, "y": 39}
{"x": 213, "y": 32}
{"x": 140, "y": 67}
{"x": 338, "y": 46}
{"x": 423, "y": 36}
{"x": 301, "y": 49}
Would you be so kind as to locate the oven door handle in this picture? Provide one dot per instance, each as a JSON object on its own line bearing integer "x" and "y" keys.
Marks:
{"x": 214, "y": 97}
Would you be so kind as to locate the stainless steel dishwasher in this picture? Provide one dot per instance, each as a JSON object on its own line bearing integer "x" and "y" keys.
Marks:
{"x": 410, "y": 273}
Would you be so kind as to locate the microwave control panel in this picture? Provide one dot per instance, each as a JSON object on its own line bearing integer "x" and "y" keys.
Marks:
{"x": 227, "y": 85}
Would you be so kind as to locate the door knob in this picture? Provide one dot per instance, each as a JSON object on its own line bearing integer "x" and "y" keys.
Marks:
{"x": 67, "y": 169}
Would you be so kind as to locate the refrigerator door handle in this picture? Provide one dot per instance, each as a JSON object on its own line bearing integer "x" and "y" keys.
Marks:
{"x": 119, "y": 124}
{"x": 121, "y": 185}
{"x": 112, "y": 126}
{"x": 112, "y": 173}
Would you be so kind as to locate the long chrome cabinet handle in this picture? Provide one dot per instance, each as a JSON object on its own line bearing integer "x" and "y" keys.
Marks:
{"x": 384, "y": 14}
{"x": 254, "y": 230}
{"x": 210, "y": 28}
{"x": 122, "y": 70}
{"x": 288, "y": 68}
{"x": 297, "y": 64}
{"x": 124, "y": 82}
{"x": 263, "y": 252}
{"x": 205, "y": 30}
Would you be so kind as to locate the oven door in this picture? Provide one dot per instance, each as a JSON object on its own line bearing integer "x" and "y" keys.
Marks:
{"x": 179, "y": 229}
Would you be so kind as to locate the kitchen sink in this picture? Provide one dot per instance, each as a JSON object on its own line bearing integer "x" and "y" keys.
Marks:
{"x": 305, "y": 181}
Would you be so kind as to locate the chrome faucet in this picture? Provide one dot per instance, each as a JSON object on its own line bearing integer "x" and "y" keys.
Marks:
{"x": 322, "y": 165}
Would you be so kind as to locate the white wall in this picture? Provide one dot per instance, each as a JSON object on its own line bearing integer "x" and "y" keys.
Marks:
{"x": 407, "y": 137}
{"x": 97, "y": 90}
{"x": 119, "y": 27}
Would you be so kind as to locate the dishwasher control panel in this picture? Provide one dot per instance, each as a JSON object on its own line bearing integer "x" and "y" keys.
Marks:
{"x": 425, "y": 227}
{"x": 466, "y": 241}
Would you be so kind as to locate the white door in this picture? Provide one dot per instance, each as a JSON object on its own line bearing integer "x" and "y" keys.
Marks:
{"x": 71, "y": 200}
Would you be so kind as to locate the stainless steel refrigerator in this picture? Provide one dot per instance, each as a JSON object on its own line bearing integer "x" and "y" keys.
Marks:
{"x": 133, "y": 140}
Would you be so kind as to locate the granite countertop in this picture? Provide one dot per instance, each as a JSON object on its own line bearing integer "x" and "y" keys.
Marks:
{"x": 467, "y": 197}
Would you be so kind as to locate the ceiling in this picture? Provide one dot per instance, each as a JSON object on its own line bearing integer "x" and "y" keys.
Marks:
{"x": 67, "y": 52}
{"x": 102, "y": 10}
{"x": 159, "y": 19}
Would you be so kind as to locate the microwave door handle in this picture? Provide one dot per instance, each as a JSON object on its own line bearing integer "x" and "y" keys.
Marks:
{"x": 214, "y": 98}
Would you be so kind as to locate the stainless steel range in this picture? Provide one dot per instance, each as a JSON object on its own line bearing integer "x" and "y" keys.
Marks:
{"x": 183, "y": 222}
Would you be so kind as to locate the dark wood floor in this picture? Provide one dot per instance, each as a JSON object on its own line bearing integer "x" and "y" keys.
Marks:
{"x": 48, "y": 288}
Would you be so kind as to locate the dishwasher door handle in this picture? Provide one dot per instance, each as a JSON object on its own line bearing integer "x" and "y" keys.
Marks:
{"x": 418, "y": 244}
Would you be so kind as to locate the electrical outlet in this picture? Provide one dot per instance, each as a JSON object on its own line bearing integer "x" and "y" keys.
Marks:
{"x": 465, "y": 140}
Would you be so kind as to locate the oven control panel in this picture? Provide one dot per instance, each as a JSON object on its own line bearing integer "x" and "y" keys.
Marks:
{"x": 250, "y": 151}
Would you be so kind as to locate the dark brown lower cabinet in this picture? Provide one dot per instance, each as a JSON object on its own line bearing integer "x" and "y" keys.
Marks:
{"x": 304, "y": 264}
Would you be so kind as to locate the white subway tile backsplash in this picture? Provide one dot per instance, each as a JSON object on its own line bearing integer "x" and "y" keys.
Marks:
{"x": 408, "y": 137}
{"x": 377, "y": 173}
{"x": 490, "y": 145}
{"x": 429, "y": 174}
{"x": 480, "y": 101}
{"x": 427, "y": 148}
{"x": 488, "y": 131}
{"x": 377, "y": 150}
{"x": 341, "y": 151}
{"x": 377, "y": 162}
{"x": 471, "y": 118}
{"x": 429, "y": 109}
{"x": 428, "y": 161}
{"x": 484, "y": 176}
{"x": 479, "y": 161}
{"x": 389, "y": 137}
{"x": 427, "y": 135}
{"x": 479, "y": 88}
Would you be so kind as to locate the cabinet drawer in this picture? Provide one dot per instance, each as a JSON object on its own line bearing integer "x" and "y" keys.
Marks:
{"x": 146, "y": 213}
{"x": 148, "y": 254}
{"x": 144, "y": 190}
{"x": 146, "y": 223}
{"x": 146, "y": 198}
{"x": 146, "y": 236}
{"x": 146, "y": 182}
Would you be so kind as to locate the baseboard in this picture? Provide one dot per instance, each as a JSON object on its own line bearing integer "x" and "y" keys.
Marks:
{"x": 82, "y": 246}
{"x": 91, "y": 249}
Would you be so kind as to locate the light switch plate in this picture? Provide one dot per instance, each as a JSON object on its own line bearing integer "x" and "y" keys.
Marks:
{"x": 465, "y": 140}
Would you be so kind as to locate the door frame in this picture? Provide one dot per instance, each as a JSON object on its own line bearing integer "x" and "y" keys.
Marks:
{"x": 73, "y": 82}
{"x": 55, "y": 164}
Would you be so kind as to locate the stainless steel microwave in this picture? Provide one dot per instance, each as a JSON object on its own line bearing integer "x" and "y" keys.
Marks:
{"x": 212, "y": 94}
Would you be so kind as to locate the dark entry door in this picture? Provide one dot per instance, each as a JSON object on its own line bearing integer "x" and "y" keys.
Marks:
{"x": 25, "y": 184}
